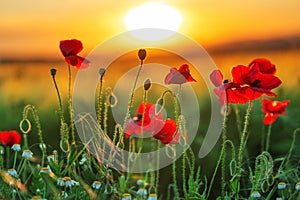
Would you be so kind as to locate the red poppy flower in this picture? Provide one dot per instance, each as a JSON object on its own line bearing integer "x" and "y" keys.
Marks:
{"x": 273, "y": 109}
{"x": 9, "y": 138}
{"x": 151, "y": 122}
{"x": 70, "y": 49}
{"x": 163, "y": 130}
{"x": 226, "y": 91}
{"x": 168, "y": 133}
{"x": 253, "y": 83}
{"x": 180, "y": 76}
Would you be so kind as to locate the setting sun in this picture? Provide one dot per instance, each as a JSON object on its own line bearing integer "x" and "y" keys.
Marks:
{"x": 154, "y": 16}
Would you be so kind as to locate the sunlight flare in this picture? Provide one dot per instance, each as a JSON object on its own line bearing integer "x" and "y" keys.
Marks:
{"x": 154, "y": 16}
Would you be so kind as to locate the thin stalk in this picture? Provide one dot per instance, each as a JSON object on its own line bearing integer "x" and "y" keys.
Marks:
{"x": 70, "y": 107}
{"x": 7, "y": 156}
{"x": 59, "y": 98}
{"x": 140, "y": 140}
{"x": 37, "y": 123}
{"x": 216, "y": 170}
{"x": 184, "y": 173}
{"x": 175, "y": 186}
{"x": 130, "y": 102}
{"x": 268, "y": 137}
{"x": 293, "y": 144}
{"x": 224, "y": 138}
{"x": 218, "y": 164}
{"x": 243, "y": 138}
{"x": 99, "y": 101}
{"x": 15, "y": 159}
{"x": 157, "y": 171}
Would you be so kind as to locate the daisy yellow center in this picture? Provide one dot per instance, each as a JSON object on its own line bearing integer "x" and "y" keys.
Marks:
{"x": 67, "y": 178}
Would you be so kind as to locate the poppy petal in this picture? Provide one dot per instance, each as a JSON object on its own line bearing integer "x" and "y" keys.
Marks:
{"x": 70, "y": 47}
{"x": 264, "y": 65}
{"x": 9, "y": 138}
{"x": 240, "y": 74}
{"x": 179, "y": 76}
{"x": 77, "y": 61}
{"x": 270, "y": 118}
{"x": 216, "y": 77}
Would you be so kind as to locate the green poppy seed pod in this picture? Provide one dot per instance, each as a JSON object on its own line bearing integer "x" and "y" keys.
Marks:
{"x": 53, "y": 71}
{"x": 142, "y": 54}
{"x": 147, "y": 84}
{"x": 102, "y": 72}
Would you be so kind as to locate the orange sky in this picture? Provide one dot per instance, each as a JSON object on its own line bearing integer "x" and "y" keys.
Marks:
{"x": 34, "y": 28}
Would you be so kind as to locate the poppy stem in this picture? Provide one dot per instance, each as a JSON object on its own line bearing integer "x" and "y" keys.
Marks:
{"x": 223, "y": 162}
{"x": 7, "y": 156}
{"x": 216, "y": 170}
{"x": 70, "y": 107}
{"x": 15, "y": 159}
{"x": 37, "y": 122}
{"x": 1, "y": 158}
{"x": 132, "y": 96}
{"x": 184, "y": 158}
{"x": 175, "y": 187}
{"x": 140, "y": 140}
{"x": 106, "y": 107}
{"x": 243, "y": 138}
{"x": 297, "y": 131}
{"x": 268, "y": 137}
{"x": 157, "y": 171}
{"x": 99, "y": 101}
{"x": 59, "y": 98}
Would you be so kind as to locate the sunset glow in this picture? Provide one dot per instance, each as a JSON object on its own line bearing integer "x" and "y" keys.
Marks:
{"x": 33, "y": 28}
{"x": 154, "y": 16}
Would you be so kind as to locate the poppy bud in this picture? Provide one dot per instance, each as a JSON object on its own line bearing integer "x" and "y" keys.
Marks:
{"x": 142, "y": 54}
{"x": 102, "y": 72}
{"x": 147, "y": 84}
{"x": 53, "y": 71}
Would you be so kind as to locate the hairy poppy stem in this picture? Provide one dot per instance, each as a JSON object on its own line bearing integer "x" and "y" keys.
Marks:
{"x": 7, "y": 157}
{"x": 157, "y": 164}
{"x": 128, "y": 112}
{"x": 70, "y": 107}
{"x": 132, "y": 95}
{"x": 268, "y": 137}
{"x": 297, "y": 131}
{"x": 36, "y": 120}
{"x": 224, "y": 138}
{"x": 176, "y": 192}
{"x": 215, "y": 172}
{"x": 99, "y": 101}
{"x": 243, "y": 138}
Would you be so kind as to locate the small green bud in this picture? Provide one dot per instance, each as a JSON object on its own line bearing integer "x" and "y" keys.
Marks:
{"x": 102, "y": 72}
{"x": 53, "y": 71}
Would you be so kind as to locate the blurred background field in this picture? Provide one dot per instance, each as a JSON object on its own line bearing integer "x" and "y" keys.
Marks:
{"x": 29, "y": 82}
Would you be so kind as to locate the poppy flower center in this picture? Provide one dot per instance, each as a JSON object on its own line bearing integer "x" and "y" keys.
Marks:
{"x": 274, "y": 103}
{"x": 225, "y": 81}
{"x": 138, "y": 117}
{"x": 256, "y": 84}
